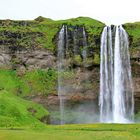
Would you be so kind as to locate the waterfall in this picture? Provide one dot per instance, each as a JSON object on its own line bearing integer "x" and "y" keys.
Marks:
{"x": 106, "y": 76}
{"x": 116, "y": 92}
{"x": 84, "y": 52}
{"x": 123, "y": 101}
{"x": 60, "y": 67}
{"x": 66, "y": 39}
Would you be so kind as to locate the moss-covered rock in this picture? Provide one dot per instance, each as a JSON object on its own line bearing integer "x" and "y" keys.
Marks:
{"x": 41, "y": 32}
{"x": 133, "y": 30}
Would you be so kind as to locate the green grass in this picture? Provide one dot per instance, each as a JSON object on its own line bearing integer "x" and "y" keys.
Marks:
{"x": 133, "y": 29}
{"x": 35, "y": 82}
{"x": 75, "y": 132}
{"x": 40, "y": 82}
{"x": 16, "y": 112}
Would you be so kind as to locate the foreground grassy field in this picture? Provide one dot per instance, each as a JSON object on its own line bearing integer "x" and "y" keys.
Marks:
{"x": 75, "y": 132}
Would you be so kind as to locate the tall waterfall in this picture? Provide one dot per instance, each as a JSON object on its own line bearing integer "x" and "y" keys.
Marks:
{"x": 60, "y": 67}
{"x": 116, "y": 92}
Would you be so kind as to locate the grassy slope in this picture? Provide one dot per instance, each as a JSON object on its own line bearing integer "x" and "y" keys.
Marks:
{"x": 14, "y": 111}
{"x": 30, "y": 83}
{"x": 76, "y": 132}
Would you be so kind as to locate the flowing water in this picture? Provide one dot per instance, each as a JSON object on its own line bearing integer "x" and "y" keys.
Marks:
{"x": 106, "y": 76}
{"x": 84, "y": 52}
{"x": 64, "y": 88}
{"x": 116, "y": 92}
{"x": 60, "y": 67}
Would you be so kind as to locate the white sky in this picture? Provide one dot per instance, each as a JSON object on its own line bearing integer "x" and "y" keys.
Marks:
{"x": 107, "y": 11}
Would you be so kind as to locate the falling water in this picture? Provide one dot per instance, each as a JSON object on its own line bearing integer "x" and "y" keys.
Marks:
{"x": 123, "y": 102}
{"x": 60, "y": 67}
{"x": 84, "y": 52}
{"x": 66, "y": 39}
{"x": 116, "y": 93}
{"x": 106, "y": 76}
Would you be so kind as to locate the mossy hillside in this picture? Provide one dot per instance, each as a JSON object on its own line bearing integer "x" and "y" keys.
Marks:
{"x": 40, "y": 82}
{"x": 32, "y": 83}
{"x": 16, "y": 112}
{"x": 133, "y": 30}
{"x": 92, "y": 26}
{"x": 18, "y": 34}
{"x": 42, "y": 32}
{"x": 35, "y": 82}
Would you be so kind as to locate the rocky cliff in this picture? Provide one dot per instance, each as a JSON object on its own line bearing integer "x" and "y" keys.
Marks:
{"x": 28, "y": 49}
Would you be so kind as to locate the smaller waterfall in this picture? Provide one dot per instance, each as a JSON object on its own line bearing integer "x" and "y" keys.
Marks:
{"x": 84, "y": 52}
{"x": 60, "y": 67}
{"x": 66, "y": 41}
{"x": 116, "y": 93}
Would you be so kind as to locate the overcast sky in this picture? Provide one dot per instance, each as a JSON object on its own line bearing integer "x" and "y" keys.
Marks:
{"x": 107, "y": 11}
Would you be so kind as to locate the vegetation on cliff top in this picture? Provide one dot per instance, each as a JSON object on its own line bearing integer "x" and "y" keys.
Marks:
{"x": 133, "y": 30}
{"x": 41, "y": 32}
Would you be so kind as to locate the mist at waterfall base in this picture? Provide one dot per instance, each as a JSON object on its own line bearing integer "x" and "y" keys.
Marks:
{"x": 84, "y": 112}
{"x": 116, "y": 91}
{"x": 116, "y": 103}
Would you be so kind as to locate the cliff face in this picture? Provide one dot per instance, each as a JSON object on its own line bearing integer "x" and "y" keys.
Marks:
{"x": 29, "y": 49}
